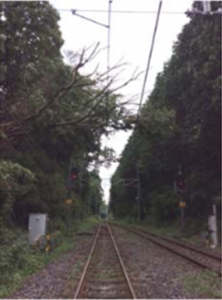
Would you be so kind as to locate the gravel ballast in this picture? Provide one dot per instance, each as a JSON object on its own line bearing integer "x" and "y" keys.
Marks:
{"x": 155, "y": 272}
{"x": 60, "y": 278}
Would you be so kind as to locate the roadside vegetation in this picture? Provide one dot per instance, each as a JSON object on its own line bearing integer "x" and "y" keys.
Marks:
{"x": 206, "y": 284}
{"x": 18, "y": 260}
{"x": 52, "y": 119}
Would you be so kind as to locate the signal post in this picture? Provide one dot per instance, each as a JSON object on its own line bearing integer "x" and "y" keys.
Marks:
{"x": 180, "y": 184}
{"x": 70, "y": 182}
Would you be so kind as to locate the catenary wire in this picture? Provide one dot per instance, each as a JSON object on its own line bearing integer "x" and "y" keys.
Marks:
{"x": 105, "y": 11}
{"x": 149, "y": 60}
{"x": 122, "y": 11}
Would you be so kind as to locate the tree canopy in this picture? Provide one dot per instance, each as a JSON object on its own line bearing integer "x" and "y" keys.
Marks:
{"x": 52, "y": 116}
{"x": 179, "y": 125}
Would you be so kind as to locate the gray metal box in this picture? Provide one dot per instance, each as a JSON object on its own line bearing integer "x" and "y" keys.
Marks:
{"x": 37, "y": 227}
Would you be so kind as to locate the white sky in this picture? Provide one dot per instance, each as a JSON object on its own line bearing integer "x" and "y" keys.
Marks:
{"x": 131, "y": 36}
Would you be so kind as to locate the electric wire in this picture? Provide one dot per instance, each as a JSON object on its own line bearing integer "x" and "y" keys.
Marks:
{"x": 88, "y": 19}
{"x": 145, "y": 79}
{"x": 132, "y": 12}
{"x": 149, "y": 60}
{"x": 121, "y": 11}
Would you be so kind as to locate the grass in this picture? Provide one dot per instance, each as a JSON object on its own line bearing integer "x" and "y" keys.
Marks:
{"x": 86, "y": 225}
{"x": 76, "y": 271}
{"x": 18, "y": 261}
{"x": 205, "y": 284}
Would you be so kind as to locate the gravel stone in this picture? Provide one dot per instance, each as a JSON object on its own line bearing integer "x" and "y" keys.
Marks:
{"x": 54, "y": 280}
{"x": 155, "y": 273}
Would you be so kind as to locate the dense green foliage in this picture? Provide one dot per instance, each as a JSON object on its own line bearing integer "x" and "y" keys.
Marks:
{"x": 179, "y": 125}
{"x": 52, "y": 118}
{"x": 16, "y": 183}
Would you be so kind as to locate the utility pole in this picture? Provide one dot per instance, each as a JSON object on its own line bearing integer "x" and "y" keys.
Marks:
{"x": 181, "y": 191}
{"x": 68, "y": 198}
{"x": 182, "y": 217}
{"x": 138, "y": 192}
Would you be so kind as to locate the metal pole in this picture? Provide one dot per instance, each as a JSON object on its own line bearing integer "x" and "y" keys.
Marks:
{"x": 182, "y": 219}
{"x": 89, "y": 204}
{"x": 108, "y": 58}
{"x": 69, "y": 197}
{"x": 182, "y": 203}
{"x": 67, "y": 220}
{"x": 138, "y": 192}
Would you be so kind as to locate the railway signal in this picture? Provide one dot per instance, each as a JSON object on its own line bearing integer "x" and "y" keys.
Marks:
{"x": 74, "y": 173}
{"x": 180, "y": 182}
{"x": 71, "y": 180}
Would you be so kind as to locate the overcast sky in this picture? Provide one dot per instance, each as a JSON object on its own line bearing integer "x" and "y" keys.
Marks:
{"x": 131, "y": 35}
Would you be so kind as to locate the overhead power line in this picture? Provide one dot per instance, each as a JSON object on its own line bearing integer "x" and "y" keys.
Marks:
{"x": 149, "y": 60}
{"x": 105, "y": 11}
{"x": 121, "y": 11}
{"x": 88, "y": 19}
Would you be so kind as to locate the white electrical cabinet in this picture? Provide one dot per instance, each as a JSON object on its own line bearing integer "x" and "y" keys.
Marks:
{"x": 37, "y": 227}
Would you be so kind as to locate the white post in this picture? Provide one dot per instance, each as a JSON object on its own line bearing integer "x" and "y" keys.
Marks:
{"x": 215, "y": 238}
{"x": 212, "y": 224}
{"x": 206, "y": 6}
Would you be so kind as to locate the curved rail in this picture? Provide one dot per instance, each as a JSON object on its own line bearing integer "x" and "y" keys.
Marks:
{"x": 157, "y": 240}
{"x": 89, "y": 260}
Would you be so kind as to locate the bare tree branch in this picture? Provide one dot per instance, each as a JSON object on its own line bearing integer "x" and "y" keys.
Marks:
{"x": 90, "y": 110}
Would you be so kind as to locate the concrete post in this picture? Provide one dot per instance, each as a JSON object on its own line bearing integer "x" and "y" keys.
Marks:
{"x": 212, "y": 225}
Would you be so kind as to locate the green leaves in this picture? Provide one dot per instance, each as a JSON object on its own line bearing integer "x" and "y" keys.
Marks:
{"x": 15, "y": 182}
{"x": 179, "y": 125}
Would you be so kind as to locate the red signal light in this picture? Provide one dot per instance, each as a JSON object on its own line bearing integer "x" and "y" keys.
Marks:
{"x": 181, "y": 184}
{"x": 74, "y": 176}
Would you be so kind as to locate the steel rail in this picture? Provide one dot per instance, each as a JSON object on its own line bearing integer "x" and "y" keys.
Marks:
{"x": 87, "y": 265}
{"x": 122, "y": 264}
{"x": 137, "y": 231}
{"x": 184, "y": 245}
{"x": 80, "y": 285}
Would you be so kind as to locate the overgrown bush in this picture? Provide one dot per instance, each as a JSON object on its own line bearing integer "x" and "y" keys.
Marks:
{"x": 164, "y": 206}
{"x": 16, "y": 182}
{"x": 16, "y": 257}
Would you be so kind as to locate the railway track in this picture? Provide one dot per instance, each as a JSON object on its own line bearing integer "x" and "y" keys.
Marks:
{"x": 104, "y": 275}
{"x": 197, "y": 256}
